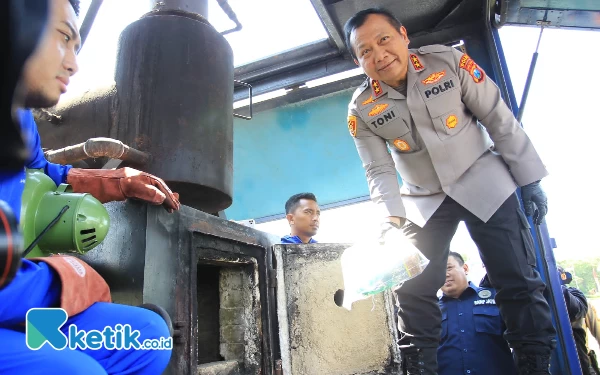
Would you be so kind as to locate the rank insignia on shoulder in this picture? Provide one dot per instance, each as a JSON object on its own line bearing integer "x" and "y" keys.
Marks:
{"x": 377, "y": 90}
{"x": 352, "y": 125}
{"x": 401, "y": 145}
{"x": 434, "y": 77}
{"x": 484, "y": 293}
{"x": 416, "y": 63}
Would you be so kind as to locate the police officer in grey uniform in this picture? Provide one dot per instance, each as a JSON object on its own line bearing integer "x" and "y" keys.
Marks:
{"x": 433, "y": 115}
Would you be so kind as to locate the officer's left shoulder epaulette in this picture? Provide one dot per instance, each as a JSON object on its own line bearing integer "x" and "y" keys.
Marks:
{"x": 434, "y": 48}
{"x": 364, "y": 86}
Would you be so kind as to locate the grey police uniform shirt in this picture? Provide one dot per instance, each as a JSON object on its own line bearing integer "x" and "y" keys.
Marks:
{"x": 450, "y": 135}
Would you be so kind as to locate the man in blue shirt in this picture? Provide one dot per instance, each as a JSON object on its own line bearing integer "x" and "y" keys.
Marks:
{"x": 303, "y": 215}
{"x": 66, "y": 281}
{"x": 472, "y": 328}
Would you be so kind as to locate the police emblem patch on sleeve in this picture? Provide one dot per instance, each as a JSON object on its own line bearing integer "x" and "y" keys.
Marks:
{"x": 484, "y": 293}
{"x": 477, "y": 74}
{"x": 352, "y": 125}
{"x": 472, "y": 68}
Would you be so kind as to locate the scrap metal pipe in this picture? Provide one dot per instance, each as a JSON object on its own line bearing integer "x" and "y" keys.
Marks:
{"x": 232, "y": 16}
{"x": 172, "y": 99}
{"x": 97, "y": 148}
{"x": 88, "y": 21}
{"x": 192, "y": 6}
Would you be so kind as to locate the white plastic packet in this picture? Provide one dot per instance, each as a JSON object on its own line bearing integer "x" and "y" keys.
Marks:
{"x": 370, "y": 268}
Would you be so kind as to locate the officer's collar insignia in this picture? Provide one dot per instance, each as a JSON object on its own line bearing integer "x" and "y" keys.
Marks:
{"x": 416, "y": 63}
{"x": 434, "y": 77}
{"x": 484, "y": 293}
{"x": 377, "y": 90}
{"x": 369, "y": 101}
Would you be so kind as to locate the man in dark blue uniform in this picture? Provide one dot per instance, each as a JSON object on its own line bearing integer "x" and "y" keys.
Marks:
{"x": 65, "y": 281}
{"x": 471, "y": 340}
{"x": 303, "y": 215}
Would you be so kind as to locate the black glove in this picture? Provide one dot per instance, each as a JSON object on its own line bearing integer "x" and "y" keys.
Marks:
{"x": 531, "y": 194}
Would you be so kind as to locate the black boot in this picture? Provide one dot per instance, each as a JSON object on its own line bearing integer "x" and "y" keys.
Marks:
{"x": 533, "y": 361}
{"x": 419, "y": 361}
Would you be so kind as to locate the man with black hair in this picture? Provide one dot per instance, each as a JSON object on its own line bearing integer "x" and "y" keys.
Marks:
{"x": 67, "y": 282}
{"x": 577, "y": 308}
{"x": 434, "y": 116}
{"x": 303, "y": 215}
{"x": 471, "y": 340}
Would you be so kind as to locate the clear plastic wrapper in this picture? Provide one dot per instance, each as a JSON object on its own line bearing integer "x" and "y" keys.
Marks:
{"x": 370, "y": 267}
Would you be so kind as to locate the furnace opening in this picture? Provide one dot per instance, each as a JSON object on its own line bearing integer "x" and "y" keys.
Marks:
{"x": 228, "y": 311}
{"x": 208, "y": 314}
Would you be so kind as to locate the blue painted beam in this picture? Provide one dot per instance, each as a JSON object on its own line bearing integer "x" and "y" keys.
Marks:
{"x": 303, "y": 147}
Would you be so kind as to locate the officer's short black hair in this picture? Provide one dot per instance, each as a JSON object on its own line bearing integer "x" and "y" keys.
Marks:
{"x": 458, "y": 257}
{"x": 75, "y": 4}
{"x": 359, "y": 19}
{"x": 292, "y": 203}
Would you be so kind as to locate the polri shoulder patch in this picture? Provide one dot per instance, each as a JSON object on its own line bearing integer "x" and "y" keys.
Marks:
{"x": 352, "y": 125}
{"x": 472, "y": 68}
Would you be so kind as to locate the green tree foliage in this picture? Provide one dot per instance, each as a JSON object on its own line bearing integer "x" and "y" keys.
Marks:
{"x": 583, "y": 271}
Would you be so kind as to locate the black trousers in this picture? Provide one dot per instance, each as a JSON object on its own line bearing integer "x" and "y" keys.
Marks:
{"x": 506, "y": 248}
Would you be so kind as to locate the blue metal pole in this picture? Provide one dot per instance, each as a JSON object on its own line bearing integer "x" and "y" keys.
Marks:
{"x": 565, "y": 360}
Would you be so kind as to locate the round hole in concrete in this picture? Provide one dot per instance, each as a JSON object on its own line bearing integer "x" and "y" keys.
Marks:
{"x": 338, "y": 297}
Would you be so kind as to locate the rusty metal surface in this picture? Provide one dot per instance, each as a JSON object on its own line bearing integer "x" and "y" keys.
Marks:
{"x": 150, "y": 256}
{"x": 96, "y": 148}
{"x": 173, "y": 99}
{"x": 177, "y": 105}
{"x": 192, "y": 6}
{"x": 78, "y": 119}
{"x": 120, "y": 258}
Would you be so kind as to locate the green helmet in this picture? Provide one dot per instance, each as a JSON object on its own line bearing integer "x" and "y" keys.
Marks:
{"x": 82, "y": 226}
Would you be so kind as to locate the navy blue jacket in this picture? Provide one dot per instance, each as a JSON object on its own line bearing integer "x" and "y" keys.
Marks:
{"x": 471, "y": 340}
{"x": 294, "y": 239}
